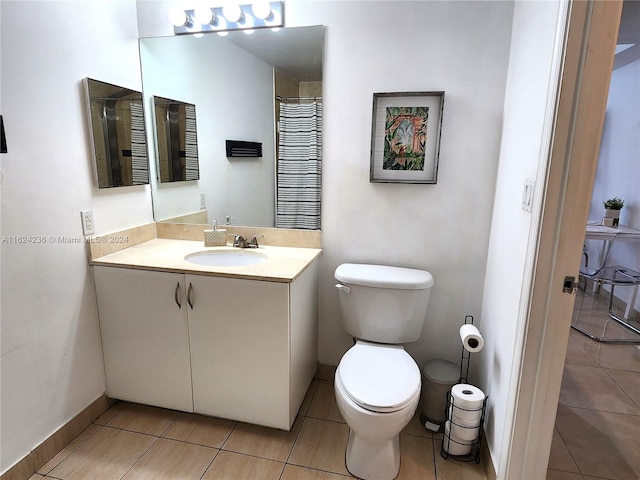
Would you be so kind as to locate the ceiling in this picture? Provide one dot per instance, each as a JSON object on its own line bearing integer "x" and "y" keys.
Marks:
{"x": 296, "y": 51}
{"x": 629, "y": 34}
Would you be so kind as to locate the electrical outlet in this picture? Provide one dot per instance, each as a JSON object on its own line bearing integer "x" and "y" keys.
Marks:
{"x": 88, "y": 227}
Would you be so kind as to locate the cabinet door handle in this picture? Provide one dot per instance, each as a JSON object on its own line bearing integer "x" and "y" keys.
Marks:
{"x": 176, "y": 295}
{"x": 189, "y": 295}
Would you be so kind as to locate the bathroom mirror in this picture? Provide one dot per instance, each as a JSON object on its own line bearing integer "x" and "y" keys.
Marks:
{"x": 117, "y": 135}
{"x": 234, "y": 82}
{"x": 176, "y": 140}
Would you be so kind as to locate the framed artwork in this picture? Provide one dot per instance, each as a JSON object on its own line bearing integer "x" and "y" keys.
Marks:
{"x": 405, "y": 137}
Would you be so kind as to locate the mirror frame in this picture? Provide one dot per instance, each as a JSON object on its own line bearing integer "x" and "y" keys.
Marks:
{"x": 106, "y": 128}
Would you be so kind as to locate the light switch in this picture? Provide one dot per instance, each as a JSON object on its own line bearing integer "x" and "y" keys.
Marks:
{"x": 527, "y": 194}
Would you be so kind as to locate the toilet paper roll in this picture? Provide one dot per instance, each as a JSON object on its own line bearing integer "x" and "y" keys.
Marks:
{"x": 471, "y": 338}
{"x": 467, "y": 396}
{"x": 465, "y": 418}
{"x": 452, "y": 444}
{"x": 466, "y": 405}
{"x": 466, "y": 433}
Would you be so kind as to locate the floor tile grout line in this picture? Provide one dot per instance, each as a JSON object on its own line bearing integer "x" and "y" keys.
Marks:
{"x": 435, "y": 463}
{"x": 196, "y": 444}
{"x": 600, "y": 410}
{"x": 118, "y": 402}
{"x": 293, "y": 444}
{"x": 229, "y": 435}
{"x": 132, "y": 431}
{"x": 621, "y": 387}
{"x": 140, "y": 457}
{"x": 210, "y": 463}
{"x": 72, "y": 451}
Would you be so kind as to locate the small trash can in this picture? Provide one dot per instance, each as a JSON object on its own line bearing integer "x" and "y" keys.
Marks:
{"x": 438, "y": 376}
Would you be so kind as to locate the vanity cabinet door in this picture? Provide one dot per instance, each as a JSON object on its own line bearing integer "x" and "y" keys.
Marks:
{"x": 145, "y": 338}
{"x": 239, "y": 332}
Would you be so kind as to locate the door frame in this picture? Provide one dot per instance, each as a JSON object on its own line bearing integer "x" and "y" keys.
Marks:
{"x": 591, "y": 34}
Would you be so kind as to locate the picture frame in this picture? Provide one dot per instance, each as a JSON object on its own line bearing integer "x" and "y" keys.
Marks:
{"x": 405, "y": 137}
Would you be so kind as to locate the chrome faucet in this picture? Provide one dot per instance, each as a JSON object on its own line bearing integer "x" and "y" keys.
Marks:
{"x": 241, "y": 242}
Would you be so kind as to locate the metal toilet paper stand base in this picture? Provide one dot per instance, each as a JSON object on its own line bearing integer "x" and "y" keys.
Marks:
{"x": 469, "y": 450}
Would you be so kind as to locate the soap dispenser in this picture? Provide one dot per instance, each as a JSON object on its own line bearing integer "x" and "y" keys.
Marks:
{"x": 215, "y": 237}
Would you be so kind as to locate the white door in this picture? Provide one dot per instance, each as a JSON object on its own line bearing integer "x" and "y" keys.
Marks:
{"x": 145, "y": 340}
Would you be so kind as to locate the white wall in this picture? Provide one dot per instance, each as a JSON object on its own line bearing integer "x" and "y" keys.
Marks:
{"x": 522, "y": 154}
{"x": 618, "y": 173}
{"x": 51, "y": 359}
{"x": 233, "y": 94}
{"x": 461, "y": 48}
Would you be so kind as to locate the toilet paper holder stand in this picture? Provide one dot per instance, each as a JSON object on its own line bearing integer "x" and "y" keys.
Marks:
{"x": 448, "y": 443}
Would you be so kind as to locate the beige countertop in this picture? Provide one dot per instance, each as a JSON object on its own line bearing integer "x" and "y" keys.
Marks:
{"x": 283, "y": 264}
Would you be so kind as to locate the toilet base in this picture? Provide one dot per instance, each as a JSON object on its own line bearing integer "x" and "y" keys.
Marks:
{"x": 373, "y": 460}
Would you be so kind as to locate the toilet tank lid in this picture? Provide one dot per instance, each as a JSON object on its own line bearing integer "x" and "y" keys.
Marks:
{"x": 383, "y": 276}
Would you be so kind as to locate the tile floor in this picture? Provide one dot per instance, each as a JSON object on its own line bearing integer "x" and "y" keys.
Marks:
{"x": 597, "y": 432}
{"x": 138, "y": 442}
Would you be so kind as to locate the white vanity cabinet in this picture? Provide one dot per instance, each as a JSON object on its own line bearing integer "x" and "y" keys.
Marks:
{"x": 237, "y": 348}
{"x": 145, "y": 336}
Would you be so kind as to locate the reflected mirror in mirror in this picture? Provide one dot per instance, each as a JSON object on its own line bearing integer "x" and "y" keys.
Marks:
{"x": 118, "y": 137}
{"x": 239, "y": 84}
{"x": 176, "y": 140}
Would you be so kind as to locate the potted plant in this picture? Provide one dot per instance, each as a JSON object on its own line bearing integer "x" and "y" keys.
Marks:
{"x": 612, "y": 209}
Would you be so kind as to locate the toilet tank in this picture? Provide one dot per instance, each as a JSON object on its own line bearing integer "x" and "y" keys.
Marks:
{"x": 381, "y": 303}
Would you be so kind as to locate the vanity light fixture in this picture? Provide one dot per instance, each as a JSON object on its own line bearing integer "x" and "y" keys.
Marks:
{"x": 233, "y": 13}
{"x": 178, "y": 17}
{"x": 261, "y": 10}
{"x": 204, "y": 16}
{"x": 262, "y": 14}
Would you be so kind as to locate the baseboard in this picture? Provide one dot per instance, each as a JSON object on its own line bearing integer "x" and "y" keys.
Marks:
{"x": 489, "y": 469}
{"x": 325, "y": 373}
{"x": 44, "y": 452}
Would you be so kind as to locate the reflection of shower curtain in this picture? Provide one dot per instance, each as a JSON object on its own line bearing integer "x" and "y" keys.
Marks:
{"x": 191, "y": 144}
{"x": 139, "y": 160}
{"x": 299, "y": 166}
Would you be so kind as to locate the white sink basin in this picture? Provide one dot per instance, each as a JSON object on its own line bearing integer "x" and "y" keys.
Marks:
{"x": 226, "y": 258}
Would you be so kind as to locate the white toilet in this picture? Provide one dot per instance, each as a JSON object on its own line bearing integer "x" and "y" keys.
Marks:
{"x": 377, "y": 383}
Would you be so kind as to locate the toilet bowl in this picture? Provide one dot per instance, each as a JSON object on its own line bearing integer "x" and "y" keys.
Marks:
{"x": 377, "y": 383}
{"x": 377, "y": 391}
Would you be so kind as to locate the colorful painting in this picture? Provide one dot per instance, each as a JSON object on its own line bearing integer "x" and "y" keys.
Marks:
{"x": 405, "y": 137}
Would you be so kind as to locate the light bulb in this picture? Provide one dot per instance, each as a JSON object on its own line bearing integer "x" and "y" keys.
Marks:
{"x": 249, "y": 31}
{"x": 261, "y": 9}
{"x": 223, "y": 34}
{"x": 178, "y": 17}
{"x": 232, "y": 12}
{"x": 203, "y": 15}
{"x": 198, "y": 35}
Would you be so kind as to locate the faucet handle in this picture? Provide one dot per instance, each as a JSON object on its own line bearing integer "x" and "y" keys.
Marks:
{"x": 239, "y": 241}
{"x": 254, "y": 240}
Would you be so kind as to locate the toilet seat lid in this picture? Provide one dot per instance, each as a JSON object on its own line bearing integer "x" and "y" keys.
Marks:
{"x": 380, "y": 378}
